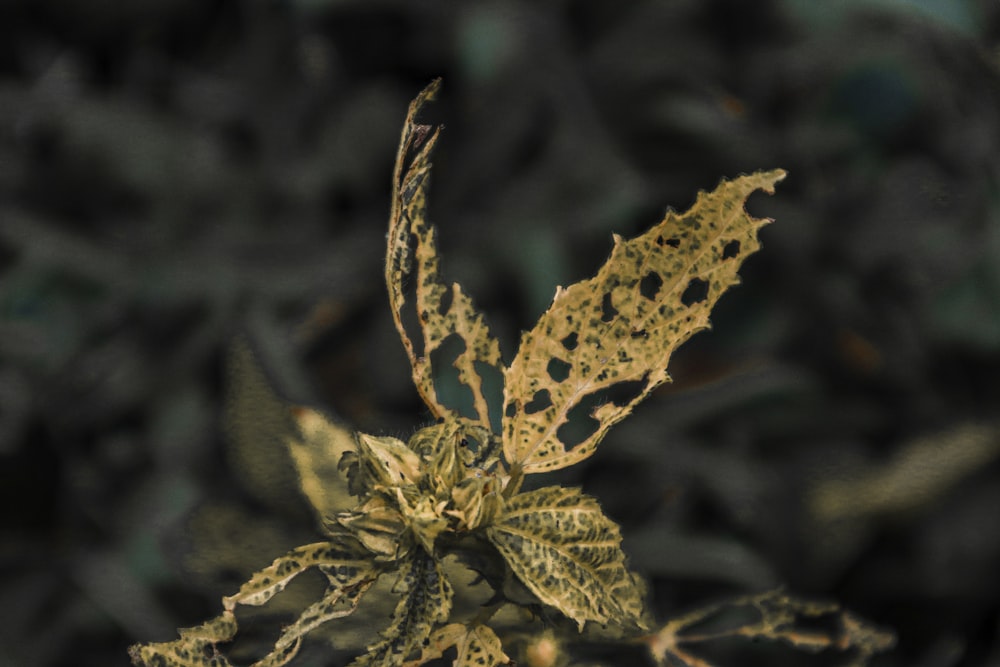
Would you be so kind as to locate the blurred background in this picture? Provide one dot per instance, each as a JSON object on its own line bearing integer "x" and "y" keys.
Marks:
{"x": 177, "y": 173}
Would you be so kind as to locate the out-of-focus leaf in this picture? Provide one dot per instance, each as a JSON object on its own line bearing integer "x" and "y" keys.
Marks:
{"x": 317, "y": 449}
{"x": 776, "y": 617}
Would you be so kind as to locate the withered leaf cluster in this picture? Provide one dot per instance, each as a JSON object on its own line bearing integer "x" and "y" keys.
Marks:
{"x": 455, "y": 487}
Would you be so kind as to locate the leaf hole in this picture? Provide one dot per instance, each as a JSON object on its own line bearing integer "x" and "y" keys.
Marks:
{"x": 695, "y": 292}
{"x": 732, "y": 249}
{"x": 558, "y": 369}
{"x": 450, "y": 390}
{"x": 608, "y": 311}
{"x": 447, "y": 297}
{"x": 570, "y": 342}
{"x": 650, "y": 285}
{"x": 672, "y": 241}
{"x": 580, "y": 424}
{"x": 510, "y": 410}
{"x": 623, "y": 393}
{"x": 540, "y": 401}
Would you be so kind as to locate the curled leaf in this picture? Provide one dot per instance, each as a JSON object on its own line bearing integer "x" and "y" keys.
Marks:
{"x": 443, "y": 311}
{"x": 615, "y": 333}
{"x": 564, "y": 549}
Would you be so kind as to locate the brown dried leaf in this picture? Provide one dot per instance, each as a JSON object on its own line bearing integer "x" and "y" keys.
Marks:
{"x": 442, "y": 311}
{"x": 618, "y": 329}
{"x": 563, "y": 548}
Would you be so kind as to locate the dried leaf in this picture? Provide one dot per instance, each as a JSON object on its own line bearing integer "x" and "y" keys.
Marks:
{"x": 563, "y": 548}
{"x": 317, "y": 449}
{"x": 425, "y": 602}
{"x": 442, "y": 311}
{"x": 618, "y": 329}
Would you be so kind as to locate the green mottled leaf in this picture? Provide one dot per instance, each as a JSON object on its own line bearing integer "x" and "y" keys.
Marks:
{"x": 563, "y": 548}
{"x": 618, "y": 330}
{"x": 442, "y": 311}
{"x": 424, "y": 603}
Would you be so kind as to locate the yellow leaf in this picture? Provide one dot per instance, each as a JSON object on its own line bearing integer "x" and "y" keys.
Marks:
{"x": 442, "y": 311}
{"x": 616, "y": 331}
{"x": 563, "y": 548}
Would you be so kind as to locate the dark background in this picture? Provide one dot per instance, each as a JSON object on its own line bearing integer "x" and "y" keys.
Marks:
{"x": 177, "y": 172}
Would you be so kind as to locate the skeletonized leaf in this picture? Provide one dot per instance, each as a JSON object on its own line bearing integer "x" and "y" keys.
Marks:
{"x": 442, "y": 311}
{"x": 425, "y": 602}
{"x": 563, "y": 548}
{"x": 316, "y": 450}
{"x": 617, "y": 330}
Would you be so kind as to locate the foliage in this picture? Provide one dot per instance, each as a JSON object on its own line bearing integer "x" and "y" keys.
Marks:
{"x": 455, "y": 488}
